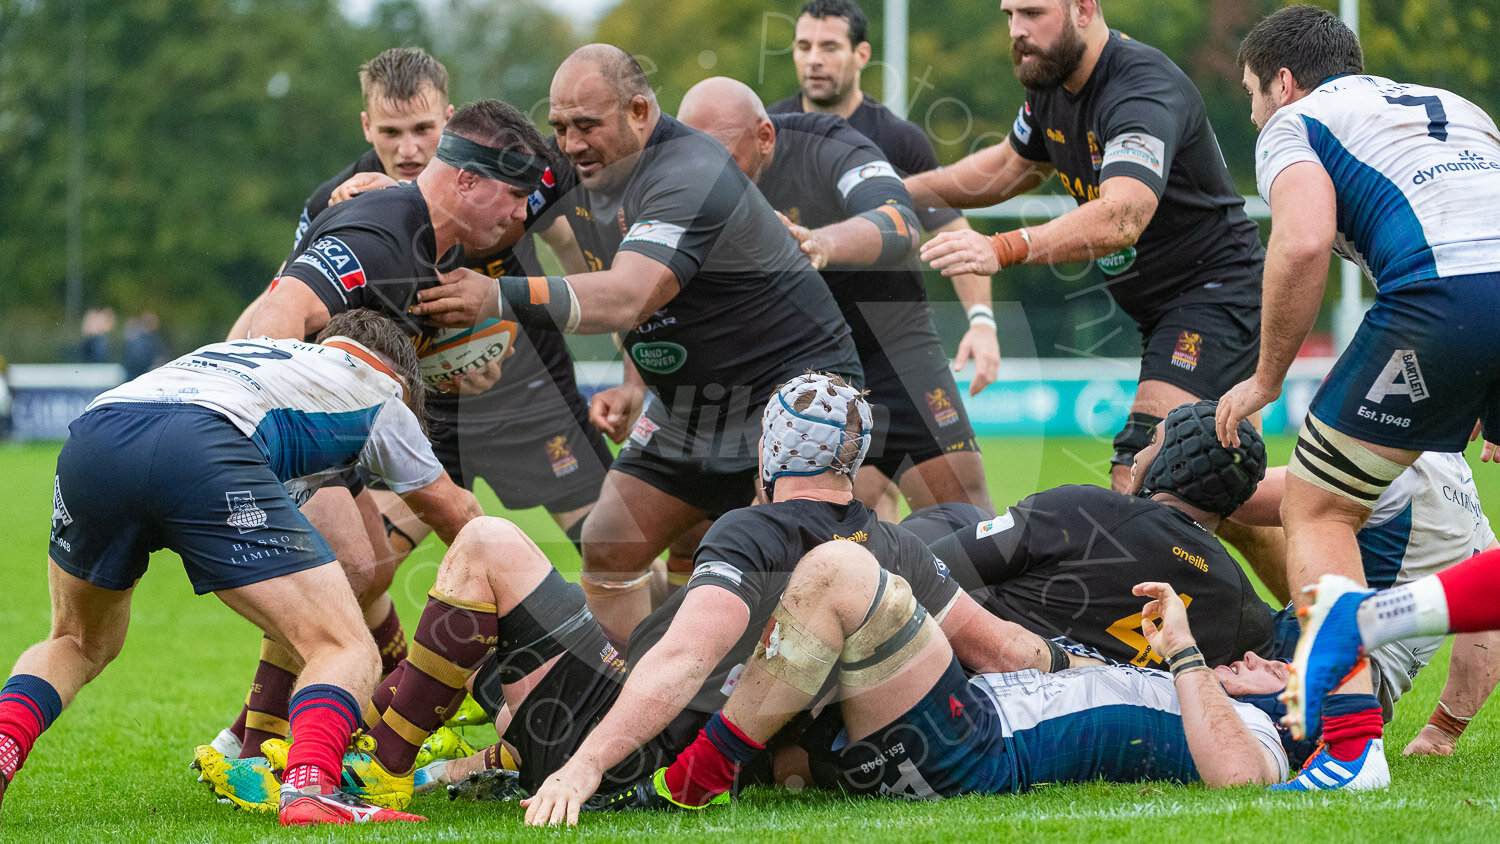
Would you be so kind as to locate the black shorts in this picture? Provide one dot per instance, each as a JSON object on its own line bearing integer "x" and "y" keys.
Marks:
{"x": 687, "y": 478}
{"x": 919, "y": 413}
{"x": 135, "y": 478}
{"x": 559, "y": 713}
{"x": 557, "y": 463}
{"x": 1202, "y": 349}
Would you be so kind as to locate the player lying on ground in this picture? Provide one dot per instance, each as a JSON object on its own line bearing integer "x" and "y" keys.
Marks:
{"x": 909, "y": 723}
{"x": 198, "y": 457}
{"x": 558, "y": 675}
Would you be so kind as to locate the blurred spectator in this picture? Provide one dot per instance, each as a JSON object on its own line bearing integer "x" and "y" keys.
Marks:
{"x": 144, "y": 350}
{"x": 98, "y": 323}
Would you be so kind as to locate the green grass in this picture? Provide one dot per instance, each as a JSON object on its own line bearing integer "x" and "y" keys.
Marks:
{"x": 114, "y": 766}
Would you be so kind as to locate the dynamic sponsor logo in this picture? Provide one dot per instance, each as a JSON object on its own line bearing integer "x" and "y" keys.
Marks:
{"x": 561, "y": 457}
{"x": 661, "y": 358}
{"x": 1402, "y": 376}
{"x": 1189, "y": 346}
{"x": 335, "y": 260}
{"x": 1147, "y": 151}
{"x": 1022, "y": 127}
{"x": 857, "y": 176}
{"x": 535, "y": 202}
{"x": 719, "y": 569}
{"x": 654, "y": 231}
{"x": 995, "y": 525}
{"x": 1128, "y": 631}
{"x": 1056, "y": 136}
{"x": 244, "y": 514}
{"x": 643, "y": 430}
{"x": 942, "y": 407}
{"x": 1468, "y": 162}
{"x": 1117, "y": 262}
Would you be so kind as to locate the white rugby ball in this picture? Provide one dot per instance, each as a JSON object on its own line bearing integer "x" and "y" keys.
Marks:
{"x": 445, "y": 352}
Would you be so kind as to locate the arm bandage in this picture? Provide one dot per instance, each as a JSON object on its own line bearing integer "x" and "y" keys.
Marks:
{"x": 898, "y": 227}
{"x": 545, "y": 302}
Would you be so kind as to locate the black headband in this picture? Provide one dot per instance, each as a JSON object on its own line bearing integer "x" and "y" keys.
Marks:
{"x": 521, "y": 169}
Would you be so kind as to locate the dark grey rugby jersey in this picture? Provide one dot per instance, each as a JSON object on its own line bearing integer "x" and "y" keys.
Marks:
{"x": 752, "y": 551}
{"x": 1140, "y": 116}
{"x": 751, "y": 312}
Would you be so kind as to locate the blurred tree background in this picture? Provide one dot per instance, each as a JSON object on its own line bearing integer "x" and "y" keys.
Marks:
{"x": 205, "y": 123}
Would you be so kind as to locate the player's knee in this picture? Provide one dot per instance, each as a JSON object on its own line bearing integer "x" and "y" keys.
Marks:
{"x": 483, "y": 546}
{"x": 894, "y": 630}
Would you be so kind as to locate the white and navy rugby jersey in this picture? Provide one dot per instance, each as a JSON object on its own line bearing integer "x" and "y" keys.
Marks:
{"x": 314, "y": 410}
{"x": 1416, "y": 171}
{"x": 1427, "y": 520}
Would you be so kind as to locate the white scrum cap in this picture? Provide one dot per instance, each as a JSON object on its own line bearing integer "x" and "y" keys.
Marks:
{"x": 807, "y": 428}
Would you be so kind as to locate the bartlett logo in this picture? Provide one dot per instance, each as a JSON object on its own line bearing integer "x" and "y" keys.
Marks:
{"x": 60, "y": 516}
{"x": 661, "y": 358}
{"x": 244, "y": 513}
{"x": 1117, "y": 262}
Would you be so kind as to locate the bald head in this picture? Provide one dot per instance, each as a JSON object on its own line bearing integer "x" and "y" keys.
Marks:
{"x": 731, "y": 112}
{"x": 616, "y": 68}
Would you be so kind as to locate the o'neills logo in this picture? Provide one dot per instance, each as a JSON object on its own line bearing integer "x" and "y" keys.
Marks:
{"x": 1194, "y": 560}
{"x": 661, "y": 358}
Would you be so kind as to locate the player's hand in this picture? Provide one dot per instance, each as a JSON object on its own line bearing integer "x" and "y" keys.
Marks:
{"x": 476, "y": 382}
{"x": 463, "y": 298}
{"x": 812, "y": 246}
{"x": 983, "y": 345}
{"x": 562, "y": 795}
{"x": 1173, "y": 635}
{"x": 1430, "y": 741}
{"x": 613, "y": 411}
{"x": 962, "y": 252}
{"x": 1242, "y": 400}
{"x": 359, "y": 183}
{"x": 1490, "y": 453}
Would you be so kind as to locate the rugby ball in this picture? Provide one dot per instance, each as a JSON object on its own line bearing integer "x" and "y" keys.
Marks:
{"x": 445, "y": 352}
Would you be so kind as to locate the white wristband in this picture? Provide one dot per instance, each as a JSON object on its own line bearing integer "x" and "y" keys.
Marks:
{"x": 981, "y": 314}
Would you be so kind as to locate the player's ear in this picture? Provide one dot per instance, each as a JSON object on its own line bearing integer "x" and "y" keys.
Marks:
{"x": 862, "y": 54}
{"x": 765, "y": 136}
{"x": 364, "y": 122}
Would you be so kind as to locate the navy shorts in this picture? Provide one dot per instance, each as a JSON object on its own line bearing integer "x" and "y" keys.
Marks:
{"x": 950, "y": 743}
{"x": 1202, "y": 349}
{"x": 1422, "y": 368}
{"x": 136, "y": 478}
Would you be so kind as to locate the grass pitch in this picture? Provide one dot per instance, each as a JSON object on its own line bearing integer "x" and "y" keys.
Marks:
{"x": 115, "y": 765}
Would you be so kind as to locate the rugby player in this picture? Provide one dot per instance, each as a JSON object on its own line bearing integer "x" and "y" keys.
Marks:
{"x": 716, "y": 304}
{"x": 1125, "y": 130}
{"x": 375, "y": 251}
{"x": 855, "y": 220}
{"x": 561, "y": 678}
{"x": 1062, "y": 562}
{"x": 202, "y": 457}
{"x": 909, "y": 723}
{"x": 1359, "y": 164}
{"x": 830, "y": 51}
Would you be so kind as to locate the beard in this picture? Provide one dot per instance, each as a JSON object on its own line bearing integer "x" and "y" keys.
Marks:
{"x": 1050, "y": 67}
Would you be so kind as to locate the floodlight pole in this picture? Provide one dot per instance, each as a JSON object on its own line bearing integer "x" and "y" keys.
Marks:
{"x": 894, "y": 61}
{"x": 1351, "y": 305}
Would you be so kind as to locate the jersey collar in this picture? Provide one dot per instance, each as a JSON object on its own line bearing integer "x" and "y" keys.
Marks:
{"x": 344, "y": 344}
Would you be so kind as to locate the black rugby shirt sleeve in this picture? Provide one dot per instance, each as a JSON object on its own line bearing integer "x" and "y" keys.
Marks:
{"x": 1141, "y": 119}
{"x": 683, "y": 210}
{"x": 859, "y": 173}
{"x": 355, "y": 268}
{"x": 929, "y": 576}
{"x": 1027, "y": 136}
{"x": 994, "y": 551}
{"x": 731, "y": 556}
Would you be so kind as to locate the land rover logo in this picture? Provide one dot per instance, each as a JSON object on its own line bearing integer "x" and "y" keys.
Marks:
{"x": 1117, "y": 262}
{"x": 660, "y": 358}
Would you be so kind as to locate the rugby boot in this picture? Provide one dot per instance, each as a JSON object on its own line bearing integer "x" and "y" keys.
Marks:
{"x": 248, "y": 784}
{"x": 645, "y": 793}
{"x": 496, "y": 785}
{"x": 313, "y": 806}
{"x": 1325, "y": 773}
{"x": 362, "y": 776}
{"x": 1329, "y": 650}
{"x": 442, "y": 745}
